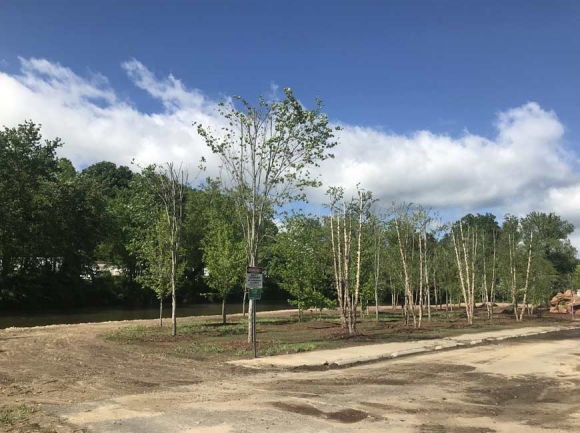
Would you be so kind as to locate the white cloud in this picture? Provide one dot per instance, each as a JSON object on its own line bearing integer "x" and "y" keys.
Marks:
{"x": 96, "y": 124}
{"x": 470, "y": 171}
{"x": 523, "y": 167}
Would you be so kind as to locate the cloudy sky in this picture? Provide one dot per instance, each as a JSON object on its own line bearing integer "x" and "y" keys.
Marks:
{"x": 454, "y": 107}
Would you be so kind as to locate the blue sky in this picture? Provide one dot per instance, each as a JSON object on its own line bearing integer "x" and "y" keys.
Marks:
{"x": 458, "y": 105}
{"x": 400, "y": 65}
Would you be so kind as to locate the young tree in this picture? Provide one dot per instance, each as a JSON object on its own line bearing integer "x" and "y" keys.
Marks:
{"x": 365, "y": 201}
{"x": 299, "y": 262}
{"x": 223, "y": 254}
{"x": 510, "y": 259}
{"x": 267, "y": 152}
{"x": 403, "y": 226}
{"x": 155, "y": 252}
{"x": 465, "y": 244}
{"x": 172, "y": 182}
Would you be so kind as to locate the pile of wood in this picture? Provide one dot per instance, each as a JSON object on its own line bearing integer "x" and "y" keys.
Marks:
{"x": 564, "y": 302}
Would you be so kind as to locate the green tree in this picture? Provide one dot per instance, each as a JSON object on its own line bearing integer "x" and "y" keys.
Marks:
{"x": 223, "y": 250}
{"x": 300, "y": 263}
{"x": 27, "y": 165}
{"x": 224, "y": 257}
{"x": 155, "y": 252}
{"x": 267, "y": 152}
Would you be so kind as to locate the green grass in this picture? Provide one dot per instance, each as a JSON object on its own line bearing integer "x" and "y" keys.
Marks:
{"x": 232, "y": 329}
{"x": 283, "y": 349}
{"x": 10, "y": 415}
{"x": 196, "y": 351}
{"x": 210, "y": 340}
{"x": 139, "y": 333}
{"x": 127, "y": 334}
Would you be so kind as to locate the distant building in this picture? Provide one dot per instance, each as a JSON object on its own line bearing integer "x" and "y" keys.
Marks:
{"x": 114, "y": 270}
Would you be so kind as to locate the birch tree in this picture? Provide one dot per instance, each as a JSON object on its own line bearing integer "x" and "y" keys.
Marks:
{"x": 465, "y": 244}
{"x": 267, "y": 152}
{"x": 340, "y": 237}
{"x": 402, "y": 225}
{"x": 172, "y": 183}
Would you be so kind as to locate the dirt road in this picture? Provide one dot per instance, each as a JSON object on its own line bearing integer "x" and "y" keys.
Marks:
{"x": 71, "y": 380}
{"x": 527, "y": 385}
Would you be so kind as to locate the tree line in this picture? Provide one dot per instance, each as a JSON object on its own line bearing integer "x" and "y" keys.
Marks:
{"x": 174, "y": 235}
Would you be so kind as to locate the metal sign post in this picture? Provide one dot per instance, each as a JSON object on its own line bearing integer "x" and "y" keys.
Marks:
{"x": 254, "y": 283}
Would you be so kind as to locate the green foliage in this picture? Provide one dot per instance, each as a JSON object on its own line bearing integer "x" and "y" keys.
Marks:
{"x": 223, "y": 249}
{"x": 56, "y": 223}
{"x": 301, "y": 262}
{"x": 576, "y": 278}
{"x": 50, "y": 222}
{"x": 267, "y": 151}
{"x": 154, "y": 251}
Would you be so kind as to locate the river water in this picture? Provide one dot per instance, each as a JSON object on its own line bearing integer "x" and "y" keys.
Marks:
{"x": 52, "y": 317}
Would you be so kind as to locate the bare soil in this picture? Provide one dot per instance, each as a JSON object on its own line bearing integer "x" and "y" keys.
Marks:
{"x": 68, "y": 365}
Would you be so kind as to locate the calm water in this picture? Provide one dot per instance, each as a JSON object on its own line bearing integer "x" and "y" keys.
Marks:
{"x": 41, "y": 318}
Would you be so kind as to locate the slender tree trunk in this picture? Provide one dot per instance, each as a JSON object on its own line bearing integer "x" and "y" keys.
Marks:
{"x": 420, "y": 279}
{"x": 492, "y": 290}
{"x": 525, "y": 300}
{"x": 376, "y": 305}
{"x": 511, "y": 244}
{"x": 337, "y": 263}
{"x": 393, "y": 295}
{"x": 161, "y": 312}
{"x": 173, "y": 314}
{"x": 427, "y": 289}
{"x": 253, "y": 263}
{"x": 377, "y": 272}
{"x": 484, "y": 287}
{"x": 460, "y": 266}
{"x": 408, "y": 293}
{"x": 173, "y": 297}
{"x": 358, "y": 259}
{"x": 347, "y": 294}
{"x": 466, "y": 249}
{"x": 244, "y": 301}
{"x": 224, "y": 311}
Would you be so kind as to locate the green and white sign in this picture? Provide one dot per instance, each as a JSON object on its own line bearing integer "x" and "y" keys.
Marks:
{"x": 255, "y": 294}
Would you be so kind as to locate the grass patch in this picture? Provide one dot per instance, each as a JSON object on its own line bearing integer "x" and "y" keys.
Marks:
{"x": 196, "y": 351}
{"x": 127, "y": 334}
{"x": 284, "y": 349}
{"x": 12, "y": 414}
{"x": 232, "y": 329}
{"x": 212, "y": 341}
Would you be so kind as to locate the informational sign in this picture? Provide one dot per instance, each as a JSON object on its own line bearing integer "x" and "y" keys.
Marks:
{"x": 254, "y": 278}
{"x": 254, "y": 281}
{"x": 255, "y": 294}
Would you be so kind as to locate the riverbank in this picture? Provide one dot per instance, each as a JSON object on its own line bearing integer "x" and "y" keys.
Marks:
{"x": 31, "y": 318}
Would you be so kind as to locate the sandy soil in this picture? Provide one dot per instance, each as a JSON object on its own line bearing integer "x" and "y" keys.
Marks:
{"x": 68, "y": 364}
{"x": 530, "y": 385}
{"x": 76, "y": 381}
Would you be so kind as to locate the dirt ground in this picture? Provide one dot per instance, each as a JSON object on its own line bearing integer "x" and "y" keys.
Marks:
{"x": 69, "y": 379}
